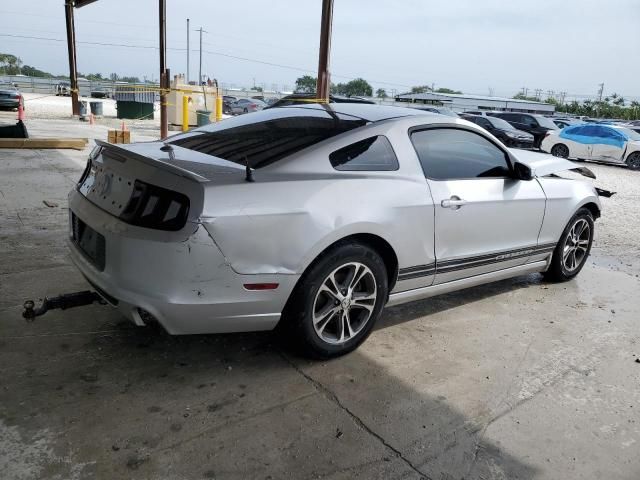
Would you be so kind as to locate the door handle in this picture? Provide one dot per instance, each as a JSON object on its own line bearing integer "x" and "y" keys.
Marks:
{"x": 454, "y": 202}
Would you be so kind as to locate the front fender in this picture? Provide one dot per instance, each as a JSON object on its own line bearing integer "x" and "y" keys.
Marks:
{"x": 564, "y": 198}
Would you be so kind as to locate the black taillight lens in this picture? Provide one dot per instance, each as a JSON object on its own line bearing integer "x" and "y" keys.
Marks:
{"x": 155, "y": 207}
{"x": 85, "y": 173}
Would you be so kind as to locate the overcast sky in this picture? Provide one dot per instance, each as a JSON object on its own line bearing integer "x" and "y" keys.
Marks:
{"x": 468, "y": 45}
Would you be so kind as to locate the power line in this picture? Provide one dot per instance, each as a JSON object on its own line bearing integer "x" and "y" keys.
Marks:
{"x": 263, "y": 62}
{"x": 210, "y": 52}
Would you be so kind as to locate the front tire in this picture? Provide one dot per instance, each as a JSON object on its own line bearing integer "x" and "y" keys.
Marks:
{"x": 633, "y": 161}
{"x": 574, "y": 247}
{"x": 560, "y": 150}
{"x": 337, "y": 301}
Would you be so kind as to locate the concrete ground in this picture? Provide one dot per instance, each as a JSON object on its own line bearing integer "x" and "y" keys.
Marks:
{"x": 518, "y": 379}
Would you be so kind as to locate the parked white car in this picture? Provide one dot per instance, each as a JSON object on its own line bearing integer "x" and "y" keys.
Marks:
{"x": 316, "y": 217}
{"x": 608, "y": 143}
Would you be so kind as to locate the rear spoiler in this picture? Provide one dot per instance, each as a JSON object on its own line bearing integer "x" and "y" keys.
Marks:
{"x": 123, "y": 154}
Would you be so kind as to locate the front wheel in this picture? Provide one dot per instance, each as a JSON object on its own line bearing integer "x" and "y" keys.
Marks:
{"x": 633, "y": 161}
{"x": 574, "y": 247}
{"x": 338, "y": 300}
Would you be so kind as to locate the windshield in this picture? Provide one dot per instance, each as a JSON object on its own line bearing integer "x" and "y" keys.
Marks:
{"x": 546, "y": 122}
{"x": 500, "y": 123}
{"x": 630, "y": 133}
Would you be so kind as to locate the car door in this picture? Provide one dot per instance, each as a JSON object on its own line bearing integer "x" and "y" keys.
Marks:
{"x": 578, "y": 139}
{"x": 485, "y": 219}
{"x": 516, "y": 120}
{"x": 609, "y": 145}
{"x": 237, "y": 106}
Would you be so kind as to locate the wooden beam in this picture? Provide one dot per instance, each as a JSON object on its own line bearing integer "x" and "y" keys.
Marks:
{"x": 323, "y": 85}
{"x": 37, "y": 143}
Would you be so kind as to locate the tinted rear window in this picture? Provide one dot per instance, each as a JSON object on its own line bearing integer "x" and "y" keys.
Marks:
{"x": 372, "y": 154}
{"x": 265, "y": 137}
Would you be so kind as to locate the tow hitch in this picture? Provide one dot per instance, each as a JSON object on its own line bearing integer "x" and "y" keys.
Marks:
{"x": 63, "y": 302}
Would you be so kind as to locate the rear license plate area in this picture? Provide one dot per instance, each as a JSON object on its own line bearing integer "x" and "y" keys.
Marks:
{"x": 88, "y": 241}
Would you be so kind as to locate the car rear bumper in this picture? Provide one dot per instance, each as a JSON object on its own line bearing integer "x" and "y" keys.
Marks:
{"x": 9, "y": 102}
{"x": 188, "y": 286}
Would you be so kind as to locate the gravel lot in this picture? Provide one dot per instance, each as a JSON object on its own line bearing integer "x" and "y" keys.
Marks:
{"x": 517, "y": 379}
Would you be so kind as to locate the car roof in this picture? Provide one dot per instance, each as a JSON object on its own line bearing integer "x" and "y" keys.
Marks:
{"x": 369, "y": 113}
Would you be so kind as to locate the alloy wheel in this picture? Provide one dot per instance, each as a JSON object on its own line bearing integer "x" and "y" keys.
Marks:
{"x": 576, "y": 245}
{"x": 634, "y": 161}
{"x": 344, "y": 303}
{"x": 560, "y": 151}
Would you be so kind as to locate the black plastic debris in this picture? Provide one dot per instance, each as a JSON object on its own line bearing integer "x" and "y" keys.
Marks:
{"x": 19, "y": 130}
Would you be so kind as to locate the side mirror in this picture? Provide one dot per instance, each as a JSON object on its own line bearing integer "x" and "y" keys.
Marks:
{"x": 522, "y": 171}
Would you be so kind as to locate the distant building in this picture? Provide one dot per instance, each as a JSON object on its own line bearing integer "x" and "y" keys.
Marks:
{"x": 463, "y": 103}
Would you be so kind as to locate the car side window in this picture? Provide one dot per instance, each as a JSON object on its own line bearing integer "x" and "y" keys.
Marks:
{"x": 529, "y": 121}
{"x": 371, "y": 154}
{"x": 450, "y": 154}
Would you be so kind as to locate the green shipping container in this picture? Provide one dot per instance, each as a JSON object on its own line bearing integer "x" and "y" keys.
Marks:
{"x": 134, "y": 110}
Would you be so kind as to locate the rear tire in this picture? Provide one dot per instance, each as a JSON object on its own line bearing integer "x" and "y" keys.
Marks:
{"x": 633, "y": 161}
{"x": 560, "y": 150}
{"x": 573, "y": 248}
{"x": 337, "y": 302}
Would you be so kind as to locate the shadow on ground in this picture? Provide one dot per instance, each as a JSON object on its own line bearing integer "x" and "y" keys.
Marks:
{"x": 134, "y": 402}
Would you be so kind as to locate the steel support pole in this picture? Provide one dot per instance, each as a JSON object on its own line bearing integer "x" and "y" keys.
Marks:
{"x": 324, "y": 79}
{"x": 188, "y": 35}
{"x": 164, "y": 80}
{"x": 200, "y": 68}
{"x": 71, "y": 47}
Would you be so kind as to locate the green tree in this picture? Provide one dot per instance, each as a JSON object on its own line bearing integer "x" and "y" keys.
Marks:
{"x": 10, "y": 64}
{"x": 448, "y": 90}
{"x": 34, "y": 72}
{"x": 306, "y": 84}
{"x": 522, "y": 96}
{"x": 358, "y": 87}
{"x": 381, "y": 93}
{"x": 131, "y": 79}
{"x": 420, "y": 89}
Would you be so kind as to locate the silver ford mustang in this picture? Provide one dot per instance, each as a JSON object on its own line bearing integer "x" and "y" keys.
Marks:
{"x": 315, "y": 217}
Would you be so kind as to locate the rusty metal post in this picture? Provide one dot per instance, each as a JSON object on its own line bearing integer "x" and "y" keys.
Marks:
{"x": 324, "y": 79}
{"x": 164, "y": 80}
{"x": 71, "y": 47}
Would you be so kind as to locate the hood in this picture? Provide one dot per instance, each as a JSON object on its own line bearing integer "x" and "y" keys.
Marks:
{"x": 543, "y": 164}
{"x": 519, "y": 134}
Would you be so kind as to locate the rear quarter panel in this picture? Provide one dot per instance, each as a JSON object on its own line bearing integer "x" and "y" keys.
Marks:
{"x": 295, "y": 210}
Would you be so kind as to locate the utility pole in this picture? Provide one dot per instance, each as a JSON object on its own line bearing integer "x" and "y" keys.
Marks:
{"x": 562, "y": 97}
{"x": 188, "y": 35}
{"x": 71, "y": 47}
{"x": 200, "y": 69}
{"x": 600, "y": 91}
{"x": 164, "y": 74}
{"x": 323, "y": 84}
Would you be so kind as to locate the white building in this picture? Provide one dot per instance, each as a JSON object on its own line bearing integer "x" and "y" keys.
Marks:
{"x": 463, "y": 103}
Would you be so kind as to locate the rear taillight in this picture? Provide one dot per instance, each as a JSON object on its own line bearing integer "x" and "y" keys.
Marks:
{"x": 155, "y": 207}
